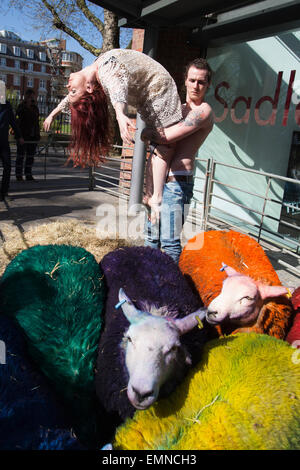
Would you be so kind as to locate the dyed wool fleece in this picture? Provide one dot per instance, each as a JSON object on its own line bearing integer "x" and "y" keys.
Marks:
{"x": 201, "y": 261}
{"x": 56, "y": 295}
{"x": 31, "y": 416}
{"x": 243, "y": 395}
{"x": 293, "y": 336}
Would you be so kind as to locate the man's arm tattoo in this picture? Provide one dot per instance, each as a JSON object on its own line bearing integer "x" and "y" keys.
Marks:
{"x": 194, "y": 118}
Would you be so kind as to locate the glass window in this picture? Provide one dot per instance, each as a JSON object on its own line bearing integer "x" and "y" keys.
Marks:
{"x": 3, "y": 77}
{"x": 42, "y": 56}
{"x": 30, "y": 82}
{"x": 30, "y": 53}
{"x": 3, "y": 61}
{"x": 17, "y": 50}
{"x": 17, "y": 64}
{"x": 30, "y": 67}
{"x": 3, "y": 48}
{"x": 43, "y": 84}
{"x": 17, "y": 80}
{"x": 43, "y": 68}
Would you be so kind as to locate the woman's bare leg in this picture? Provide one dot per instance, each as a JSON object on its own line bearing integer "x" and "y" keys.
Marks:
{"x": 148, "y": 180}
{"x": 160, "y": 162}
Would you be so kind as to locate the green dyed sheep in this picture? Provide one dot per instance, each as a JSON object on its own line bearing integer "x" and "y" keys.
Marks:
{"x": 243, "y": 395}
{"x": 56, "y": 294}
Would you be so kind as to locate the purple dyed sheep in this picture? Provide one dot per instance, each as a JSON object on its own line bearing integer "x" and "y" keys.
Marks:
{"x": 147, "y": 345}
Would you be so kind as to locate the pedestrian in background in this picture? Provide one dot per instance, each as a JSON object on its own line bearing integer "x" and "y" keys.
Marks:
{"x": 7, "y": 118}
{"x": 28, "y": 121}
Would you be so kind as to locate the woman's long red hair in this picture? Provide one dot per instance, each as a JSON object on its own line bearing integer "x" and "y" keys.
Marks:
{"x": 90, "y": 128}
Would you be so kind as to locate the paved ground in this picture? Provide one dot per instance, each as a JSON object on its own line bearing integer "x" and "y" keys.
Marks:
{"x": 64, "y": 194}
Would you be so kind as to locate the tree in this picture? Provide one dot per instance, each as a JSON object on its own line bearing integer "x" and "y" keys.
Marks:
{"x": 78, "y": 19}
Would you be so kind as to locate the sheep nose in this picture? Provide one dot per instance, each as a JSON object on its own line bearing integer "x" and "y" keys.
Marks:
{"x": 141, "y": 396}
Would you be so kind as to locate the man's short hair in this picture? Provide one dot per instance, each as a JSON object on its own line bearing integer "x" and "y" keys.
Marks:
{"x": 200, "y": 64}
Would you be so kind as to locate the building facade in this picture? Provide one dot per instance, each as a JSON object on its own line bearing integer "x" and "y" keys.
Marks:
{"x": 62, "y": 62}
{"x": 42, "y": 66}
{"x": 24, "y": 65}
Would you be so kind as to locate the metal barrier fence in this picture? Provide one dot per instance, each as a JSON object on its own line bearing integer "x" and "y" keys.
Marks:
{"x": 210, "y": 193}
{"x": 277, "y": 220}
{"x": 114, "y": 176}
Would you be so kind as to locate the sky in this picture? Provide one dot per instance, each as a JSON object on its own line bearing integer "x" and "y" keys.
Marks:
{"x": 14, "y": 20}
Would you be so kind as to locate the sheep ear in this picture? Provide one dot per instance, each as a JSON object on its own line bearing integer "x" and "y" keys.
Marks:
{"x": 271, "y": 291}
{"x": 229, "y": 271}
{"x": 132, "y": 314}
{"x": 189, "y": 322}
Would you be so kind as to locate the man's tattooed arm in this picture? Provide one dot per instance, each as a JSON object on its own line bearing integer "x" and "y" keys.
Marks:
{"x": 194, "y": 121}
{"x": 194, "y": 118}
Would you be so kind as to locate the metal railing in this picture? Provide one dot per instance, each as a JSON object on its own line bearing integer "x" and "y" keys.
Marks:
{"x": 114, "y": 176}
{"x": 260, "y": 229}
{"x": 209, "y": 190}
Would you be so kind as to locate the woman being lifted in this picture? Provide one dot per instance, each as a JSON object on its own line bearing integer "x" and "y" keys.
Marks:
{"x": 124, "y": 77}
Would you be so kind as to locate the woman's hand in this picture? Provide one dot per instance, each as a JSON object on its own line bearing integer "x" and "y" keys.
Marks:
{"x": 47, "y": 123}
{"x": 126, "y": 126}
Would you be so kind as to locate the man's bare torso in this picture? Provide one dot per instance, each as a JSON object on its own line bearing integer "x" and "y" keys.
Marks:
{"x": 187, "y": 148}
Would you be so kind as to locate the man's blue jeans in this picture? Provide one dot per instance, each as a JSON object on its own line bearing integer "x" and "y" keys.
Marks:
{"x": 166, "y": 234}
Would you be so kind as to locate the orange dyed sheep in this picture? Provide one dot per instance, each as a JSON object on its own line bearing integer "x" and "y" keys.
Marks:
{"x": 201, "y": 261}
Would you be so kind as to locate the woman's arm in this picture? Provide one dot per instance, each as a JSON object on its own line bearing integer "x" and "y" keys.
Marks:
{"x": 193, "y": 122}
{"x": 63, "y": 106}
{"x": 125, "y": 123}
{"x": 115, "y": 80}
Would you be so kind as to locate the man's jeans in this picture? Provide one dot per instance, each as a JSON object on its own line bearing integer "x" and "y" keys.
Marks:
{"x": 166, "y": 234}
{"x": 6, "y": 163}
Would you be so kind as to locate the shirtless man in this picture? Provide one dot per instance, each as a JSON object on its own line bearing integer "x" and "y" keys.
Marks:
{"x": 178, "y": 190}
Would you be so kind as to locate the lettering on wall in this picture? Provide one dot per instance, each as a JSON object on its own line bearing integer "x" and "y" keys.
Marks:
{"x": 247, "y": 102}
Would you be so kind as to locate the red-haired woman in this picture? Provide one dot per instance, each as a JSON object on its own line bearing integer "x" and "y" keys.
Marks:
{"x": 125, "y": 77}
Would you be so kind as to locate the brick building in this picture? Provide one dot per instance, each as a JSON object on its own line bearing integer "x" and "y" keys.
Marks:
{"x": 42, "y": 66}
{"x": 23, "y": 65}
{"x": 63, "y": 62}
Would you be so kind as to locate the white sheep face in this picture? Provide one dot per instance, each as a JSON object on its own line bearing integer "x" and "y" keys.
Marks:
{"x": 153, "y": 351}
{"x": 151, "y": 355}
{"x": 239, "y": 302}
{"x": 241, "y": 299}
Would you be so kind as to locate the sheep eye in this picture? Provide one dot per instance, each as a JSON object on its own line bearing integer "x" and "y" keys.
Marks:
{"x": 172, "y": 349}
{"x": 128, "y": 339}
{"x": 247, "y": 298}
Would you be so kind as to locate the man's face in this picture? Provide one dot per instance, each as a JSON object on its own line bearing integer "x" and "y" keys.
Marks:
{"x": 196, "y": 84}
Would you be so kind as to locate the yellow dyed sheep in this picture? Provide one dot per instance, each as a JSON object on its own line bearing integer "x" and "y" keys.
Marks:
{"x": 243, "y": 395}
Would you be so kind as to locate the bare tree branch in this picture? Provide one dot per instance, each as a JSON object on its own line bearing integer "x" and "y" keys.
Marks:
{"x": 59, "y": 24}
{"x": 90, "y": 15}
{"x": 75, "y": 18}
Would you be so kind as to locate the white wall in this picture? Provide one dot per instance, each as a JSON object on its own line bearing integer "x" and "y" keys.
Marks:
{"x": 256, "y": 106}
